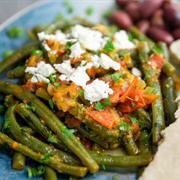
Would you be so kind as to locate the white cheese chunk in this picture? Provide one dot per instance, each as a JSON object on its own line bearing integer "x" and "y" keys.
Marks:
{"x": 106, "y": 62}
{"x": 64, "y": 68}
{"x": 91, "y": 39}
{"x": 135, "y": 71}
{"x": 76, "y": 50}
{"x": 42, "y": 68}
{"x": 80, "y": 77}
{"x": 97, "y": 90}
{"x": 39, "y": 78}
{"x": 121, "y": 40}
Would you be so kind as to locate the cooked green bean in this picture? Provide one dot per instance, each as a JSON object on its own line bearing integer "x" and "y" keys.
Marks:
{"x": 130, "y": 145}
{"x": 140, "y": 36}
{"x": 36, "y": 124}
{"x": 158, "y": 123}
{"x": 53, "y": 161}
{"x": 50, "y": 174}
{"x": 34, "y": 143}
{"x": 16, "y": 72}
{"x": 168, "y": 89}
{"x": 17, "y": 55}
{"x": 18, "y": 161}
{"x": 55, "y": 124}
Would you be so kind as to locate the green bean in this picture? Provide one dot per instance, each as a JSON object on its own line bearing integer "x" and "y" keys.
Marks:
{"x": 17, "y": 55}
{"x": 144, "y": 142}
{"x": 144, "y": 147}
{"x": 121, "y": 161}
{"x": 168, "y": 68}
{"x": 92, "y": 137}
{"x": 42, "y": 93}
{"x": 18, "y": 161}
{"x": 54, "y": 124}
{"x": 16, "y": 72}
{"x": 36, "y": 124}
{"x": 168, "y": 89}
{"x": 140, "y": 36}
{"x": 34, "y": 143}
{"x": 130, "y": 145}
{"x": 158, "y": 123}
{"x": 144, "y": 116}
{"x": 50, "y": 174}
{"x": 169, "y": 95}
{"x": 79, "y": 112}
{"x": 53, "y": 161}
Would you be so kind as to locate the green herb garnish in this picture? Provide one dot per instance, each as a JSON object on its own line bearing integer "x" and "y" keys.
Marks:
{"x": 124, "y": 127}
{"x": 6, "y": 123}
{"x": 33, "y": 172}
{"x": 89, "y": 10}
{"x": 100, "y": 106}
{"x": 133, "y": 119}
{"x": 26, "y": 106}
{"x": 116, "y": 76}
{"x": 52, "y": 139}
{"x": 67, "y": 132}
{"x": 108, "y": 47}
{"x": 81, "y": 93}
{"x": 155, "y": 50}
{"x": 14, "y": 32}
{"x": 45, "y": 158}
{"x": 6, "y": 53}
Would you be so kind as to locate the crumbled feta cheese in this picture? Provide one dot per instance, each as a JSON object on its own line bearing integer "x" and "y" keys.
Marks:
{"x": 106, "y": 62}
{"x": 94, "y": 60}
{"x": 91, "y": 39}
{"x": 135, "y": 71}
{"x": 45, "y": 69}
{"x": 64, "y": 68}
{"x": 76, "y": 50}
{"x": 97, "y": 90}
{"x": 42, "y": 68}
{"x": 46, "y": 47}
{"x": 39, "y": 78}
{"x": 80, "y": 77}
{"x": 121, "y": 40}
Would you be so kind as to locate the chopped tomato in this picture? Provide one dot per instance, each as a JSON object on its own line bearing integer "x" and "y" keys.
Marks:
{"x": 129, "y": 89}
{"x": 136, "y": 99}
{"x": 104, "y": 117}
{"x": 156, "y": 61}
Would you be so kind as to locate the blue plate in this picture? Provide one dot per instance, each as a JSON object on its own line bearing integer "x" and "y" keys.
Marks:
{"x": 44, "y": 12}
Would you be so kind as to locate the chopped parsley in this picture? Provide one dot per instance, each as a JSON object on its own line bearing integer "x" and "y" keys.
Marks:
{"x": 14, "y": 32}
{"x": 37, "y": 52}
{"x": 52, "y": 139}
{"x": 6, "y": 123}
{"x": 147, "y": 77}
{"x": 100, "y": 106}
{"x": 56, "y": 84}
{"x": 51, "y": 103}
{"x": 109, "y": 47}
{"x": 155, "y": 50}
{"x": 89, "y": 10}
{"x": 67, "y": 132}
{"x": 68, "y": 45}
{"x": 81, "y": 93}
{"x": 103, "y": 166}
{"x": 142, "y": 124}
{"x": 33, "y": 172}
{"x": 6, "y": 53}
{"x": 59, "y": 17}
{"x": 124, "y": 127}
{"x": 133, "y": 119}
{"x": 116, "y": 76}
{"x": 45, "y": 158}
{"x": 26, "y": 106}
{"x": 151, "y": 90}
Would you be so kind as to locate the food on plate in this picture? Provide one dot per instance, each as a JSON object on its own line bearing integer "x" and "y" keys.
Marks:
{"x": 84, "y": 89}
{"x": 174, "y": 51}
{"x": 158, "y": 19}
